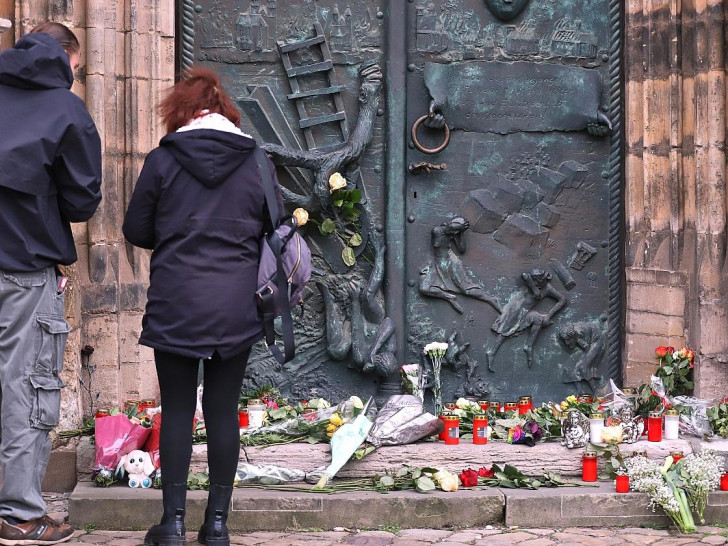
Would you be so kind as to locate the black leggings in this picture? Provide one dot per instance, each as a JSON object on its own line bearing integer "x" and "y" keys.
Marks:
{"x": 178, "y": 385}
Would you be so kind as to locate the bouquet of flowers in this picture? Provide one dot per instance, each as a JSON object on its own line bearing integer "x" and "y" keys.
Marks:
{"x": 647, "y": 476}
{"x": 700, "y": 474}
{"x": 436, "y": 352}
{"x": 675, "y": 368}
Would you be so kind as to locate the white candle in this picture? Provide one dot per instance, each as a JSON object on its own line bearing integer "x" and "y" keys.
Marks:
{"x": 596, "y": 424}
{"x": 672, "y": 424}
{"x": 255, "y": 413}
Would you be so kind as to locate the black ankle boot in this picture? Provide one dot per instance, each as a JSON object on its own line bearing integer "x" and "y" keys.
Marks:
{"x": 214, "y": 530}
{"x": 171, "y": 530}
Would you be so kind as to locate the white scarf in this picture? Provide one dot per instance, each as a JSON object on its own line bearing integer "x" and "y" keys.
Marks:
{"x": 212, "y": 121}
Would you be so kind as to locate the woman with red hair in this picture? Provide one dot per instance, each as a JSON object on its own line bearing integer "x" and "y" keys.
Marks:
{"x": 199, "y": 205}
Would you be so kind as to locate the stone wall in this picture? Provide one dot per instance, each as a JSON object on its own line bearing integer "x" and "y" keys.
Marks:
{"x": 675, "y": 194}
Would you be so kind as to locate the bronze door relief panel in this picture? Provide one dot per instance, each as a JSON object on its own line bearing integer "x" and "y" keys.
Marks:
{"x": 480, "y": 147}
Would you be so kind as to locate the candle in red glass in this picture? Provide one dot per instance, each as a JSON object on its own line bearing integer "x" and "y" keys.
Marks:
{"x": 589, "y": 466}
{"x": 484, "y": 404}
{"x": 452, "y": 429}
{"x": 243, "y": 418}
{"x": 441, "y": 436}
{"x": 654, "y": 427}
{"x": 480, "y": 429}
{"x": 496, "y": 405}
{"x": 622, "y": 483}
{"x": 676, "y": 456}
{"x": 101, "y": 413}
{"x": 524, "y": 405}
{"x": 724, "y": 482}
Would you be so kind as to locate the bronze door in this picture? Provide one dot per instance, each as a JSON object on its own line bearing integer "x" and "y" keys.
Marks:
{"x": 497, "y": 227}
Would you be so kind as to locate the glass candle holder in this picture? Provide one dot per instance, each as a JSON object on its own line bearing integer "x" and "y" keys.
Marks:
{"x": 243, "y": 420}
{"x": 596, "y": 424}
{"x": 525, "y": 404}
{"x": 585, "y": 399}
{"x": 676, "y": 456}
{"x": 496, "y": 405}
{"x": 256, "y": 409}
{"x": 480, "y": 429}
{"x": 484, "y": 404}
{"x": 672, "y": 424}
{"x": 511, "y": 407}
{"x": 589, "y": 466}
{"x": 654, "y": 427}
{"x": 622, "y": 483}
{"x": 724, "y": 482}
{"x": 442, "y": 416}
{"x": 452, "y": 429}
{"x": 103, "y": 412}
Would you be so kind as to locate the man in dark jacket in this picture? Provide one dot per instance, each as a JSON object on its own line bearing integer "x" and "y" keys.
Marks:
{"x": 50, "y": 175}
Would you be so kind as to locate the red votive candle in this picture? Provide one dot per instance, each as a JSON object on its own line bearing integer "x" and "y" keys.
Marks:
{"x": 101, "y": 413}
{"x": 589, "y": 466}
{"x": 452, "y": 429}
{"x": 676, "y": 456}
{"x": 484, "y": 404}
{"x": 496, "y": 405}
{"x": 622, "y": 483}
{"x": 442, "y": 416}
{"x": 524, "y": 405}
{"x": 480, "y": 429}
{"x": 724, "y": 482}
{"x": 654, "y": 427}
{"x": 243, "y": 418}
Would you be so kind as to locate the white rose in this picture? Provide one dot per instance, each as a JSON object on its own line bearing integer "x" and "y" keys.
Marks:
{"x": 336, "y": 182}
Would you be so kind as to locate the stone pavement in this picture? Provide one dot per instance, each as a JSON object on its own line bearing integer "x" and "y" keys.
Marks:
{"x": 489, "y": 535}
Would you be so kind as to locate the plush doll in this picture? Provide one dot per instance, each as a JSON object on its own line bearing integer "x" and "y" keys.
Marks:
{"x": 138, "y": 464}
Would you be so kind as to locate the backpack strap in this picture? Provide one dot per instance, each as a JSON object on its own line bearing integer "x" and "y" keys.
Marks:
{"x": 267, "y": 304}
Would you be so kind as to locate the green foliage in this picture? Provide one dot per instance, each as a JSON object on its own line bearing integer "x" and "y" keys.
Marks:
{"x": 512, "y": 478}
{"x": 613, "y": 460}
{"x": 718, "y": 418}
{"x": 674, "y": 370}
{"x": 199, "y": 480}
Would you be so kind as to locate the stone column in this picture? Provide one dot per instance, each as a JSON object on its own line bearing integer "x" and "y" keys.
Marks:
{"x": 675, "y": 186}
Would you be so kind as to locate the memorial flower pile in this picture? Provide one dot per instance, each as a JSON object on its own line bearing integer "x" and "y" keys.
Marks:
{"x": 674, "y": 370}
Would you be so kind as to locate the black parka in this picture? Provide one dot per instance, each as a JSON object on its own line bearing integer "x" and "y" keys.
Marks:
{"x": 50, "y": 156}
{"x": 199, "y": 205}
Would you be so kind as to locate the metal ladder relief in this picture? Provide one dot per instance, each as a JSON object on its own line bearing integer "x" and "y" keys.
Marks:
{"x": 332, "y": 89}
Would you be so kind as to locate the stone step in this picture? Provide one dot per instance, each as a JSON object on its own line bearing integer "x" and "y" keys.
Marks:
{"x": 123, "y": 508}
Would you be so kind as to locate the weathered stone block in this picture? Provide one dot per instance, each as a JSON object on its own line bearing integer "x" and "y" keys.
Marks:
{"x": 711, "y": 378}
{"x": 483, "y": 212}
{"x": 666, "y": 300}
{"x": 532, "y": 194}
{"x": 641, "y": 322}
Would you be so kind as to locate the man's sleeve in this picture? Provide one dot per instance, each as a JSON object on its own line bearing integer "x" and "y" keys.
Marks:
{"x": 77, "y": 171}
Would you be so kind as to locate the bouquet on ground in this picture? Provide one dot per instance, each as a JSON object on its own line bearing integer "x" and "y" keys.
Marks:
{"x": 436, "y": 352}
{"x": 115, "y": 436}
{"x": 663, "y": 485}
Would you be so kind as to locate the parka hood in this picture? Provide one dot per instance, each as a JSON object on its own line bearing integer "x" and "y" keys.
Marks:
{"x": 36, "y": 61}
{"x": 209, "y": 155}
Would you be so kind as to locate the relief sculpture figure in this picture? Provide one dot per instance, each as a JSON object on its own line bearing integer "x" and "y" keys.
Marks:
{"x": 520, "y": 313}
{"x": 505, "y": 10}
{"x": 446, "y": 275}
{"x": 589, "y": 338}
{"x": 366, "y": 335}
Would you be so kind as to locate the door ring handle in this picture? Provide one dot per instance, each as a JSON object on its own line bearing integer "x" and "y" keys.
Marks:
{"x": 420, "y": 147}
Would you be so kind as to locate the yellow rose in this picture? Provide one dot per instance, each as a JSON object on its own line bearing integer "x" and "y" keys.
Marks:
{"x": 331, "y": 428}
{"x": 336, "y": 182}
{"x": 301, "y": 216}
{"x": 335, "y": 419}
{"x": 571, "y": 399}
{"x": 329, "y": 434}
{"x": 564, "y": 405}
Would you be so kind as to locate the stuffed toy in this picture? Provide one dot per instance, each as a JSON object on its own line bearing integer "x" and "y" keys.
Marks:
{"x": 139, "y": 466}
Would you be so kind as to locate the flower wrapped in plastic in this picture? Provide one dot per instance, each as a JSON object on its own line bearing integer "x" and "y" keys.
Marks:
{"x": 114, "y": 437}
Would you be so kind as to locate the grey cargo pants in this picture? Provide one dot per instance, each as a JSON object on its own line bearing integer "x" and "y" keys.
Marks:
{"x": 33, "y": 337}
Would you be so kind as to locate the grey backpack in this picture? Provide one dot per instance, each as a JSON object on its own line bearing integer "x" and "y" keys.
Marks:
{"x": 283, "y": 271}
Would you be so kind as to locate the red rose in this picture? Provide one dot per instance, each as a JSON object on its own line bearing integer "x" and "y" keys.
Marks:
{"x": 670, "y": 349}
{"x": 661, "y": 351}
{"x": 486, "y": 472}
{"x": 469, "y": 478}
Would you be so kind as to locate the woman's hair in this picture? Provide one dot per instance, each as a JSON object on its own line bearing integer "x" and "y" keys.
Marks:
{"x": 62, "y": 35}
{"x": 199, "y": 90}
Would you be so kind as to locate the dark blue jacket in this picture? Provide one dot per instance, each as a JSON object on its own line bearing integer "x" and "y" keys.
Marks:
{"x": 199, "y": 205}
{"x": 50, "y": 156}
